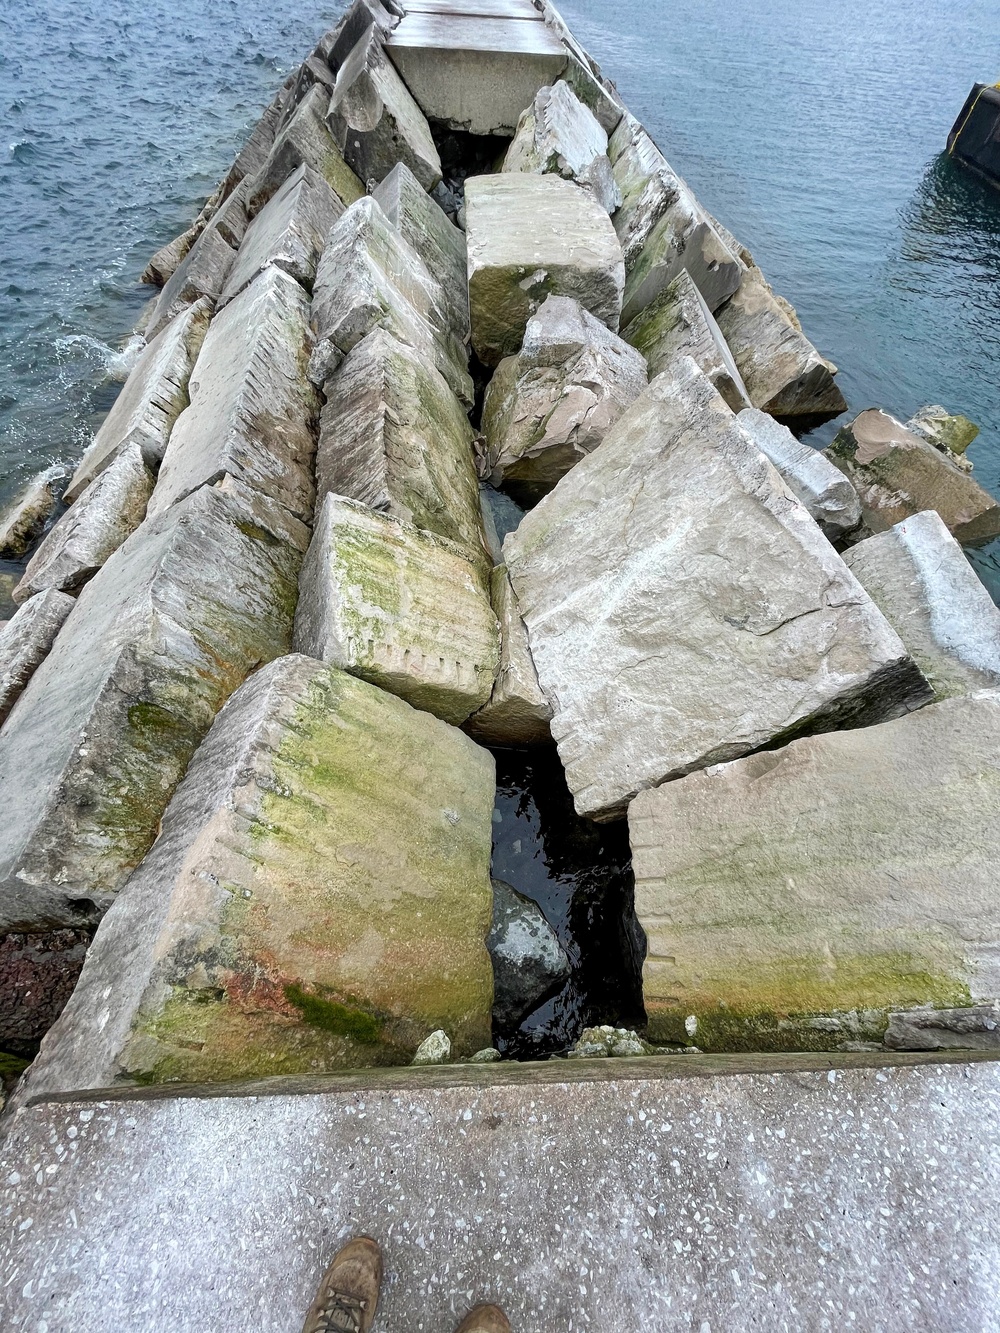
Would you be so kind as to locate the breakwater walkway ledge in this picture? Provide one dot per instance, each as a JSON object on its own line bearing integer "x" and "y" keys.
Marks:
{"x": 473, "y": 774}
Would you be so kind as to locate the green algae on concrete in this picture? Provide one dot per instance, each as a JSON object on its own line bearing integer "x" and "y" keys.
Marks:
{"x": 318, "y": 898}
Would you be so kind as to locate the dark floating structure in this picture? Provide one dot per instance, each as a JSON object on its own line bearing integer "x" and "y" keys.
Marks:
{"x": 975, "y": 136}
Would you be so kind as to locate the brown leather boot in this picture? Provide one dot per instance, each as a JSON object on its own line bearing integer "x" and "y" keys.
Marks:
{"x": 348, "y": 1294}
{"x": 484, "y": 1319}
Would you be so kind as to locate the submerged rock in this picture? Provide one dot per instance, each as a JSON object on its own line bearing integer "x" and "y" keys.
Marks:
{"x": 553, "y": 403}
{"x": 529, "y": 963}
{"x": 898, "y": 474}
{"x": 295, "y": 916}
{"x": 683, "y": 609}
{"x": 489, "y": 1055}
{"x": 517, "y": 712}
{"x": 25, "y": 517}
{"x": 399, "y": 607}
{"x": 531, "y": 237}
{"x": 559, "y": 134}
{"x": 305, "y": 137}
{"x": 949, "y": 432}
{"x": 794, "y": 899}
{"x": 433, "y": 1050}
{"x": 25, "y": 641}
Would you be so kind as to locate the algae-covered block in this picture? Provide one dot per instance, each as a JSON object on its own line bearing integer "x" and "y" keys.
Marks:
{"x": 399, "y": 607}
{"x": 305, "y": 137}
{"x": 194, "y": 600}
{"x": 558, "y": 134}
{"x": 794, "y": 898}
{"x": 531, "y": 237}
{"x": 318, "y": 898}
{"x": 517, "y": 712}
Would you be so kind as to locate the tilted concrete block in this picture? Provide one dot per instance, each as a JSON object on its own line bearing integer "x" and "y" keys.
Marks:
{"x": 559, "y": 134}
{"x": 25, "y": 641}
{"x": 305, "y": 137}
{"x": 517, "y": 712}
{"x": 23, "y": 520}
{"x": 201, "y": 275}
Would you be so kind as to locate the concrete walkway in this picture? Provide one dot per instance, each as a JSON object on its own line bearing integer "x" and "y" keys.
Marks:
{"x": 633, "y": 1195}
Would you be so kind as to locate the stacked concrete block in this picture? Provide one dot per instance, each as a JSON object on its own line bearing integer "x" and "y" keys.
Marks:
{"x": 305, "y": 137}
{"x": 559, "y": 134}
{"x": 25, "y": 641}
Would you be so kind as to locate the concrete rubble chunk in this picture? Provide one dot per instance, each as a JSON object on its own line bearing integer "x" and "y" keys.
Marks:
{"x": 23, "y": 520}
{"x": 289, "y": 233}
{"x": 606, "y": 1041}
{"x": 529, "y": 963}
{"x": 153, "y": 397}
{"x": 783, "y": 372}
{"x": 917, "y": 574}
{"x": 305, "y": 137}
{"x": 295, "y": 916}
{"x": 679, "y": 323}
{"x": 558, "y": 134}
{"x": 517, "y": 712}
{"x": 369, "y": 276}
{"x": 399, "y": 607}
{"x": 950, "y": 432}
{"x": 25, "y": 640}
{"x": 531, "y": 237}
{"x": 704, "y": 616}
{"x": 252, "y": 412}
{"x": 92, "y": 529}
{"x": 976, "y": 1028}
{"x": 594, "y": 94}
{"x": 810, "y": 476}
{"x": 425, "y": 226}
{"x": 394, "y": 437}
{"x": 433, "y": 1050}
{"x": 794, "y": 899}
{"x": 898, "y": 474}
{"x": 202, "y": 274}
{"x": 475, "y": 72}
{"x": 554, "y": 402}
{"x": 374, "y": 120}
{"x": 193, "y": 601}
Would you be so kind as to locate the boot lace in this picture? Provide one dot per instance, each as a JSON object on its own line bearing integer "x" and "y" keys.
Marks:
{"x": 341, "y": 1313}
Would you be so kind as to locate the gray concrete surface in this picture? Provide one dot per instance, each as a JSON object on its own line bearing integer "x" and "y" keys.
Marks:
{"x": 636, "y": 1194}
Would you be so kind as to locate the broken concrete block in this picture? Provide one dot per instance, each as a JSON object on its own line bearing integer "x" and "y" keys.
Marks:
{"x": 475, "y": 73}
{"x": 92, "y": 529}
{"x": 193, "y": 601}
{"x": 374, "y": 120}
{"x": 529, "y": 963}
{"x": 554, "y": 402}
{"x": 25, "y": 517}
{"x": 394, "y": 437}
{"x": 558, "y": 134}
{"x": 25, "y": 640}
{"x": 296, "y": 916}
{"x": 305, "y": 137}
{"x": 782, "y": 370}
{"x": 163, "y": 265}
{"x": 289, "y": 232}
{"x": 898, "y": 474}
{"x": 794, "y": 899}
{"x": 593, "y": 93}
{"x": 679, "y": 323}
{"x": 517, "y": 712}
{"x": 530, "y": 237}
{"x": 917, "y": 574}
{"x": 252, "y": 411}
{"x": 811, "y": 477}
{"x": 976, "y": 1028}
{"x": 202, "y": 274}
{"x": 153, "y": 397}
{"x": 703, "y": 614}
{"x": 425, "y": 226}
{"x": 369, "y": 276}
{"x": 399, "y": 607}
{"x": 950, "y": 432}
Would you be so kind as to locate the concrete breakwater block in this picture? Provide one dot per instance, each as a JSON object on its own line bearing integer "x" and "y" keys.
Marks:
{"x": 927, "y": 590}
{"x": 201, "y": 275}
{"x": 318, "y": 898}
{"x": 517, "y": 712}
{"x": 793, "y": 899}
{"x": 683, "y": 609}
{"x": 151, "y": 400}
{"x": 23, "y": 520}
{"x": 898, "y": 474}
{"x": 558, "y": 134}
{"x": 394, "y": 437}
{"x": 531, "y": 237}
{"x": 553, "y": 403}
{"x": 25, "y": 641}
{"x": 399, "y": 607}
{"x": 253, "y": 410}
{"x": 305, "y": 137}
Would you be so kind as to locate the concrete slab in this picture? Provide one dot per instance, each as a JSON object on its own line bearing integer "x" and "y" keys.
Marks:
{"x": 653, "y": 1194}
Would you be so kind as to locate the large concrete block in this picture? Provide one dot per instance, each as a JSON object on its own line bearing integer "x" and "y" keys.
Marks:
{"x": 25, "y": 641}
{"x": 395, "y": 437}
{"x": 683, "y": 609}
{"x": 531, "y": 237}
{"x": 305, "y": 137}
{"x": 782, "y": 370}
{"x": 177, "y": 618}
{"x": 554, "y": 402}
{"x": 898, "y": 474}
{"x": 253, "y": 409}
{"x": 374, "y": 120}
{"x": 92, "y": 529}
{"x": 930, "y": 594}
{"x": 370, "y": 276}
{"x": 24, "y": 519}
{"x": 679, "y": 323}
{"x": 558, "y": 134}
{"x": 793, "y": 899}
{"x": 201, "y": 275}
{"x": 289, "y": 232}
{"x": 341, "y": 40}
{"x": 153, "y": 397}
{"x": 517, "y": 712}
{"x": 475, "y": 72}
{"x": 398, "y": 607}
{"x": 318, "y": 898}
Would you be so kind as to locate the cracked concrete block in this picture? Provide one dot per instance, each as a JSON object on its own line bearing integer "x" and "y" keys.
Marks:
{"x": 517, "y": 712}
{"x": 25, "y": 641}
{"x": 558, "y": 134}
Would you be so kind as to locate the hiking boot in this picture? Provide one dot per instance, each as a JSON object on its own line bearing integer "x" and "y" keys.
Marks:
{"x": 348, "y": 1294}
{"x": 484, "y": 1319}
